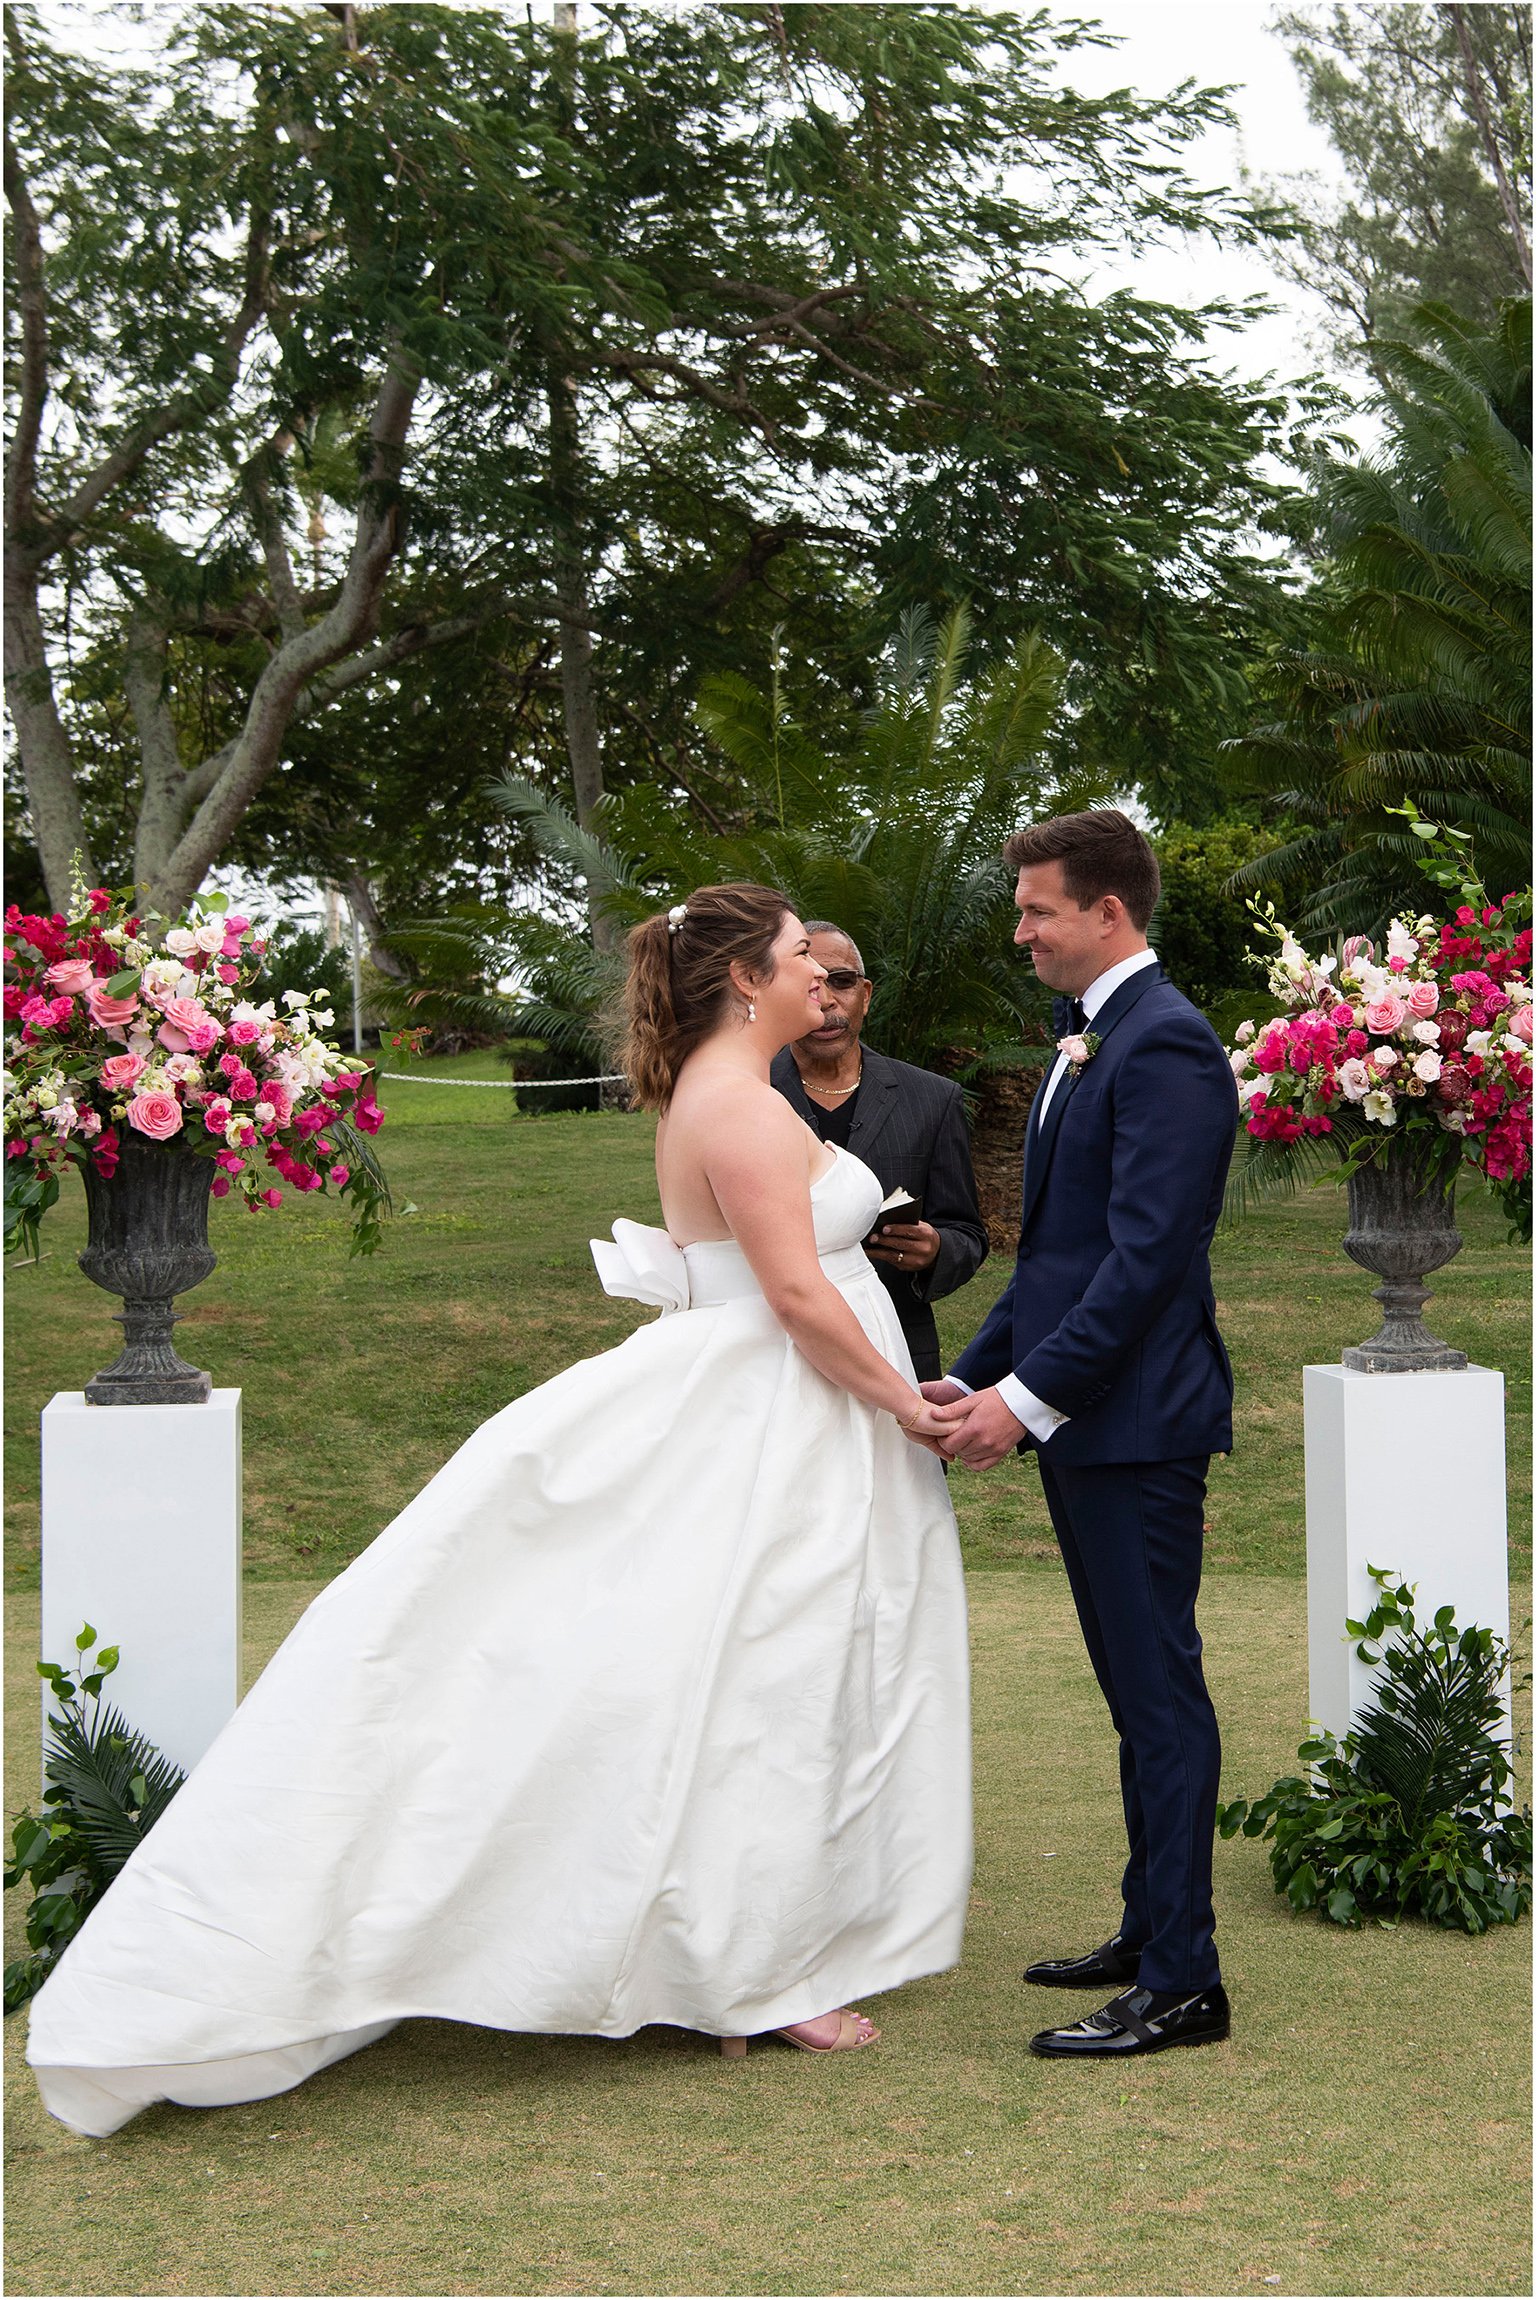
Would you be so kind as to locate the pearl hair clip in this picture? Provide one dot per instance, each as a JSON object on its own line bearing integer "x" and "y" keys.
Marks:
{"x": 676, "y": 916}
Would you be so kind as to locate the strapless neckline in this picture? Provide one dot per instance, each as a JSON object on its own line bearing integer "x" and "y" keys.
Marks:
{"x": 826, "y": 1175}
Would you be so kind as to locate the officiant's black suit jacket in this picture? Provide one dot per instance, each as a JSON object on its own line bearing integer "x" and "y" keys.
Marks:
{"x": 909, "y": 1127}
{"x": 1109, "y": 1315}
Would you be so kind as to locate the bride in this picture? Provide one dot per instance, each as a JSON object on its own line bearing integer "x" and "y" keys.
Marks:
{"x": 651, "y": 1707}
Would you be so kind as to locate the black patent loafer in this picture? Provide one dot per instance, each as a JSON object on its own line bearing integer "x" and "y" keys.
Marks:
{"x": 1128, "y": 2025}
{"x": 1111, "y": 1967}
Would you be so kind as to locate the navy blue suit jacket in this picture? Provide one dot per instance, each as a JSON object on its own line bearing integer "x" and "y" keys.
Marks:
{"x": 1110, "y": 1315}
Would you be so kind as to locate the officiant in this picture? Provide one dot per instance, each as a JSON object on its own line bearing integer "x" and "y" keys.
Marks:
{"x": 908, "y": 1125}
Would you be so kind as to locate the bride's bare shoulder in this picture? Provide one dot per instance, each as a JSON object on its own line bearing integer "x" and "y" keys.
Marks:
{"x": 714, "y": 1098}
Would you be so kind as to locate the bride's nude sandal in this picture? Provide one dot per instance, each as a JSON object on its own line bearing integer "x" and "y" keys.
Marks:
{"x": 854, "y": 2034}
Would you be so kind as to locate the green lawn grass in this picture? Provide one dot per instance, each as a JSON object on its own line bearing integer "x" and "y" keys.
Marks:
{"x": 1364, "y": 2132}
{"x": 361, "y": 1377}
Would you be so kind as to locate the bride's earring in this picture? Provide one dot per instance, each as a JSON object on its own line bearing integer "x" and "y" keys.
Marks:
{"x": 751, "y": 1009}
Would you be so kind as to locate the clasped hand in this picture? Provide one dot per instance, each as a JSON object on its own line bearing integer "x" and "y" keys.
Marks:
{"x": 976, "y": 1429}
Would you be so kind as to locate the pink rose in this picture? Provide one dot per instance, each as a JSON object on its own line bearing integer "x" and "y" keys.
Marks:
{"x": 1385, "y": 1014}
{"x": 341, "y": 1175}
{"x": 229, "y": 974}
{"x": 72, "y": 974}
{"x": 242, "y": 1086}
{"x": 243, "y": 1033}
{"x": 154, "y": 1114}
{"x": 107, "y": 1012}
{"x": 1355, "y": 1079}
{"x": 1520, "y": 1023}
{"x": 119, "y": 1072}
{"x": 187, "y": 1014}
{"x": 1423, "y": 998}
{"x": 210, "y": 936}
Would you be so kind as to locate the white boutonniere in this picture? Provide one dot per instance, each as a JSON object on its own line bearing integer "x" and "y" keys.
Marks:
{"x": 1079, "y": 1049}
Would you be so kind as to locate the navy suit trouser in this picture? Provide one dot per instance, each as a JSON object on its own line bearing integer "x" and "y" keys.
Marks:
{"x": 1131, "y": 1535}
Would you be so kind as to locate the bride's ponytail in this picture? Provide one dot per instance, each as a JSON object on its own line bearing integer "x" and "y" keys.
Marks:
{"x": 679, "y": 984}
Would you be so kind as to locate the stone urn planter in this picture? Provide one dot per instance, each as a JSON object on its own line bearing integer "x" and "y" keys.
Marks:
{"x": 1402, "y": 1225}
{"x": 149, "y": 1242}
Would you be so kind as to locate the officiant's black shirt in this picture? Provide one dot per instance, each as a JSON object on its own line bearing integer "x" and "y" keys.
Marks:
{"x": 835, "y": 1125}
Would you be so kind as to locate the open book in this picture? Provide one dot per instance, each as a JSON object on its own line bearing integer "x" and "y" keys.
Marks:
{"x": 897, "y": 1206}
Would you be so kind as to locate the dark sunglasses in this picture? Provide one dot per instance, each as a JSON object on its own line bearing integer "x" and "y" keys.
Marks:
{"x": 843, "y": 978}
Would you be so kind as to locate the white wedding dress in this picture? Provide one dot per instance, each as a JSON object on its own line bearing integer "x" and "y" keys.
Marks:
{"x": 651, "y": 1707}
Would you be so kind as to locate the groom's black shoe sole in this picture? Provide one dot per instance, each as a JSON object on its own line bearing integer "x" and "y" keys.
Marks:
{"x": 1127, "y": 2027}
{"x": 1108, "y": 1967}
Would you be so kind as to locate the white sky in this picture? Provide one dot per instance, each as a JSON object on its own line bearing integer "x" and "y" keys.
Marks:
{"x": 1216, "y": 43}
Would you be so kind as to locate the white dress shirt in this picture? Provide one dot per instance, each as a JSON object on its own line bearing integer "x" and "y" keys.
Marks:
{"x": 1040, "y": 1419}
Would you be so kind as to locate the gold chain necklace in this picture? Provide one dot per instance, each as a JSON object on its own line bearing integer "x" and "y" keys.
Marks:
{"x": 829, "y": 1091}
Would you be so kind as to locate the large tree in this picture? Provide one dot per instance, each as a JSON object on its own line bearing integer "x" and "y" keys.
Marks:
{"x": 1429, "y": 108}
{"x": 342, "y": 337}
{"x": 1418, "y": 682}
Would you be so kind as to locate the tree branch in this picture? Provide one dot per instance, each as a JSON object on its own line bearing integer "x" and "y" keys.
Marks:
{"x": 187, "y": 406}
{"x": 1494, "y": 156}
{"x": 31, "y": 297}
{"x": 414, "y": 640}
{"x": 299, "y": 660}
{"x": 266, "y": 518}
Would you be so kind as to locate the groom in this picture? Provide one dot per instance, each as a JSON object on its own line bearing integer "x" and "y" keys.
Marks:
{"x": 1103, "y": 1354}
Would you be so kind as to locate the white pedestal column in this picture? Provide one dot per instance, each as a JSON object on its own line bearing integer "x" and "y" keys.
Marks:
{"x": 141, "y": 1538}
{"x": 1404, "y": 1471}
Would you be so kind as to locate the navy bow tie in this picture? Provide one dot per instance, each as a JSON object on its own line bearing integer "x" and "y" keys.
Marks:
{"x": 1071, "y": 1017}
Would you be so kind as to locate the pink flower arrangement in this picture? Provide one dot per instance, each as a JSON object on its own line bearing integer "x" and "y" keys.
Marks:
{"x": 1418, "y": 1039}
{"x": 109, "y": 1030}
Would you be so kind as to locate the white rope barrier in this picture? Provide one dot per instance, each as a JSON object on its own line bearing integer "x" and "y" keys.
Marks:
{"x": 498, "y": 1085}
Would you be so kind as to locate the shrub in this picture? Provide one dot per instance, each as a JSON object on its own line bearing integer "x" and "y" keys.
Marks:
{"x": 1407, "y": 1815}
{"x": 108, "y": 1788}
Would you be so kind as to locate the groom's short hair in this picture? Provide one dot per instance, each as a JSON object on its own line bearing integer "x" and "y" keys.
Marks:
{"x": 1101, "y": 852}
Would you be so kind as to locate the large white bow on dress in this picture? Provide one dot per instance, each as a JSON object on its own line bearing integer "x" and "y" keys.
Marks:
{"x": 642, "y": 1265}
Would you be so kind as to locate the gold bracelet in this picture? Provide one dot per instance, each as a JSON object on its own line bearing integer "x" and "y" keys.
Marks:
{"x": 913, "y": 1418}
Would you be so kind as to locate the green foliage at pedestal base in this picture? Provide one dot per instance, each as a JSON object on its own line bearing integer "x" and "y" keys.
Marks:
{"x": 1408, "y": 1814}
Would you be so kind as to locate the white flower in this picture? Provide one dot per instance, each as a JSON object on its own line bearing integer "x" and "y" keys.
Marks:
{"x": 164, "y": 973}
{"x": 1427, "y": 1033}
{"x": 140, "y": 1042}
{"x": 182, "y": 941}
{"x": 264, "y": 1113}
{"x": 1427, "y": 1067}
{"x": 1400, "y": 943}
{"x": 1454, "y": 1121}
{"x": 1480, "y": 1042}
{"x": 1355, "y": 1079}
{"x": 1380, "y": 1107}
{"x": 45, "y": 1098}
{"x": 114, "y": 935}
{"x": 209, "y": 936}
{"x": 1239, "y": 1059}
{"x": 1385, "y": 1057}
{"x": 296, "y": 998}
{"x": 1513, "y": 1045}
{"x": 1519, "y": 993}
{"x": 1243, "y": 1033}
